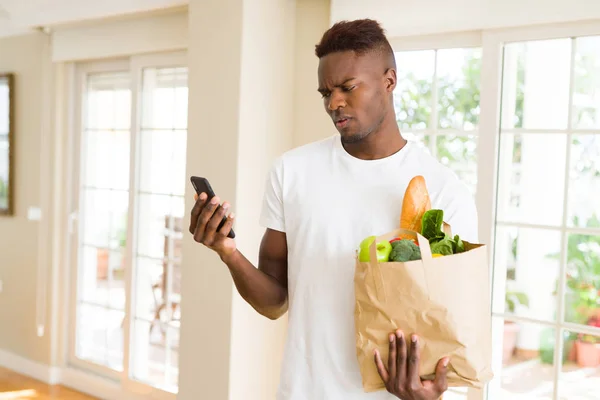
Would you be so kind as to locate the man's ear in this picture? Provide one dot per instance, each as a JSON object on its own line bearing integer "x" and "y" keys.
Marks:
{"x": 390, "y": 79}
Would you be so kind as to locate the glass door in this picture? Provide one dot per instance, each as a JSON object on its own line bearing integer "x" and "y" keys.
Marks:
{"x": 547, "y": 234}
{"x": 131, "y": 153}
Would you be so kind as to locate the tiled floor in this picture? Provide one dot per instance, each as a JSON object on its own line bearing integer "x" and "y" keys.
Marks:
{"x": 14, "y": 386}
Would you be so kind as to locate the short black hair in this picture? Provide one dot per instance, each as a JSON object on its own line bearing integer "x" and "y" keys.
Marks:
{"x": 361, "y": 36}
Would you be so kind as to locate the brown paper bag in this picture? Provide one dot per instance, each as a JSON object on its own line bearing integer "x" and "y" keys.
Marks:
{"x": 444, "y": 300}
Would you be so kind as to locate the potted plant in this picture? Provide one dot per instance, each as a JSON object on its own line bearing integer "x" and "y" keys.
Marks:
{"x": 511, "y": 329}
{"x": 588, "y": 347}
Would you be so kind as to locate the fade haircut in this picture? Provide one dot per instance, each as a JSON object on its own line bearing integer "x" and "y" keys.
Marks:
{"x": 360, "y": 36}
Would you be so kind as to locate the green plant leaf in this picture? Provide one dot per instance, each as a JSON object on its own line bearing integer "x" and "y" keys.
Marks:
{"x": 431, "y": 225}
{"x": 443, "y": 247}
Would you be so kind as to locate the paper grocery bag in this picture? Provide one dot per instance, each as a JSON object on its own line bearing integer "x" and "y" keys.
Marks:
{"x": 444, "y": 300}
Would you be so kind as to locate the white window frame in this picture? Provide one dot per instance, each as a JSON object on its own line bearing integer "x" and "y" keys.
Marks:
{"x": 81, "y": 374}
{"x": 491, "y": 43}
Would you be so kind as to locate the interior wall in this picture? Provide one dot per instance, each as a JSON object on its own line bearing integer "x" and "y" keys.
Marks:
{"x": 408, "y": 17}
{"x": 228, "y": 350}
{"x": 20, "y": 237}
{"x": 120, "y": 37}
{"x": 311, "y": 122}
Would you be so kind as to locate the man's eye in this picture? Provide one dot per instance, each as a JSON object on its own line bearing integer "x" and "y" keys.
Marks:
{"x": 324, "y": 94}
{"x": 349, "y": 88}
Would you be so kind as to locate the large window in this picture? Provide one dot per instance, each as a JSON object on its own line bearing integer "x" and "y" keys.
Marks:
{"x": 547, "y": 249}
{"x": 131, "y": 156}
{"x": 437, "y": 105}
{"x": 531, "y": 155}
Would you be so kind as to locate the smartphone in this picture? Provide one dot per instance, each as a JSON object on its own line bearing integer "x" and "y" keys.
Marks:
{"x": 202, "y": 185}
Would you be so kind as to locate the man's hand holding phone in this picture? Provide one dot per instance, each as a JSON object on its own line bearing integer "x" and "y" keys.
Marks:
{"x": 206, "y": 216}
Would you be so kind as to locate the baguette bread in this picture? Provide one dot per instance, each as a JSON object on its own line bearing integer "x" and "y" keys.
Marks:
{"x": 415, "y": 203}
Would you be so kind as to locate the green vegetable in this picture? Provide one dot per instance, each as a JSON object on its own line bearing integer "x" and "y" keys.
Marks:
{"x": 443, "y": 247}
{"x": 405, "y": 250}
{"x": 431, "y": 224}
{"x": 459, "y": 246}
{"x": 439, "y": 242}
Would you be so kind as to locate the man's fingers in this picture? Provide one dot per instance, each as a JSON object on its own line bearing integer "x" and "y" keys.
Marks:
{"x": 380, "y": 367}
{"x": 203, "y": 218}
{"x": 413, "y": 363}
{"x": 441, "y": 375}
{"x": 400, "y": 356}
{"x": 392, "y": 356}
{"x": 196, "y": 210}
{"x": 216, "y": 219}
{"x": 228, "y": 225}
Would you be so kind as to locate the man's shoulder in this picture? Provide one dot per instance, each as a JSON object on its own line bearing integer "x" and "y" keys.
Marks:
{"x": 306, "y": 153}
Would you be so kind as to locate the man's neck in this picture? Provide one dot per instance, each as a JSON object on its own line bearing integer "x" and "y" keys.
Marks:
{"x": 384, "y": 142}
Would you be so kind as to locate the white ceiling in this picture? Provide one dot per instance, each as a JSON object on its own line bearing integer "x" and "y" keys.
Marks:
{"x": 19, "y": 16}
{"x": 422, "y": 17}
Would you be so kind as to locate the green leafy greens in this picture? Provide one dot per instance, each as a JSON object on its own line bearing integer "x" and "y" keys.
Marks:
{"x": 440, "y": 242}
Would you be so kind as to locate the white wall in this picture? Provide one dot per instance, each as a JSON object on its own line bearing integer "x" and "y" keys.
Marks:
{"x": 409, "y": 17}
{"x": 311, "y": 122}
{"x": 244, "y": 111}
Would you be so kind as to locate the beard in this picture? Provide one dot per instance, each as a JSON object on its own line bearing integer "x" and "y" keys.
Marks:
{"x": 361, "y": 134}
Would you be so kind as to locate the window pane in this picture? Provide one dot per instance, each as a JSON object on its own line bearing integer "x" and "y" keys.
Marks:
{"x": 458, "y": 72}
{"x": 586, "y": 94}
{"x": 162, "y": 161}
{"x": 108, "y": 101}
{"x": 531, "y": 259}
{"x": 4, "y": 167}
{"x": 584, "y": 209}
{"x": 154, "y": 214}
{"x": 582, "y": 301}
{"x": 4, "y": 105}
{"x": 459, "y": 154}
{"x": 535, "y": 84}
{"x": 93, "y": 275}
{"x": 413, "y": 93}
{"x": 580, "y": 376}
{"x": 155, "y": 362}
{"x": 163, "y": 146}
{"x": 4, "y": 146}
{"x": 528, "y": 362}
{"x": 149, "y": 284}
{"x": 107, "y": 159}
{"x": 531, "y": 178}
{"x": 104, "y": 203}
{"x": 100, "y": 338}
{"x": 165, "y": 98}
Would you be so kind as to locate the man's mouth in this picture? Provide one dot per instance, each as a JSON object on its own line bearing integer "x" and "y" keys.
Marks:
{"x": 342, "y": 122}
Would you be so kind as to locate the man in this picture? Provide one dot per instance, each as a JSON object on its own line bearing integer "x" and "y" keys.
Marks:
{"x": 321, "y": 200}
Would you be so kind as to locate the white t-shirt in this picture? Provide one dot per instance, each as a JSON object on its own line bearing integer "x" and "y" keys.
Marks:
{"x": 327, "y": 202}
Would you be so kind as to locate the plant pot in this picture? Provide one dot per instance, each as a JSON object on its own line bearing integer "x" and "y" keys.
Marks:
{"x": 511, "y": 330}
{"x": 588, "y": 354}
{"x": 101, "y": 264}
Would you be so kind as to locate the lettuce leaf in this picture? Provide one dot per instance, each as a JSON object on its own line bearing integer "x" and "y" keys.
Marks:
{"x": 431, "y": 225}
{"x": 443, "y": 247}
{"x": 431, "y": 229}
{"x": 459, "y": 246}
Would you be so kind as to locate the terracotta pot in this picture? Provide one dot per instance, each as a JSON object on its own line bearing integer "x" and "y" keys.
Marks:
{"x": 588, "y": 354}
{"x": 511, "y": 330}
{"x": 102, "y": 264}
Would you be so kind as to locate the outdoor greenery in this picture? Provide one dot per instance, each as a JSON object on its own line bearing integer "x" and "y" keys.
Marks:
{"x": 457, "y": 109}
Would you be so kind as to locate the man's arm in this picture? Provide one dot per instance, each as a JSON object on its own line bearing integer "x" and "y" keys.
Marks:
{"x": 265, "y": 287}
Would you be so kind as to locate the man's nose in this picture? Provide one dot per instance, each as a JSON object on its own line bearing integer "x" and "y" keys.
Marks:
{"x": 336, "y": 100}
